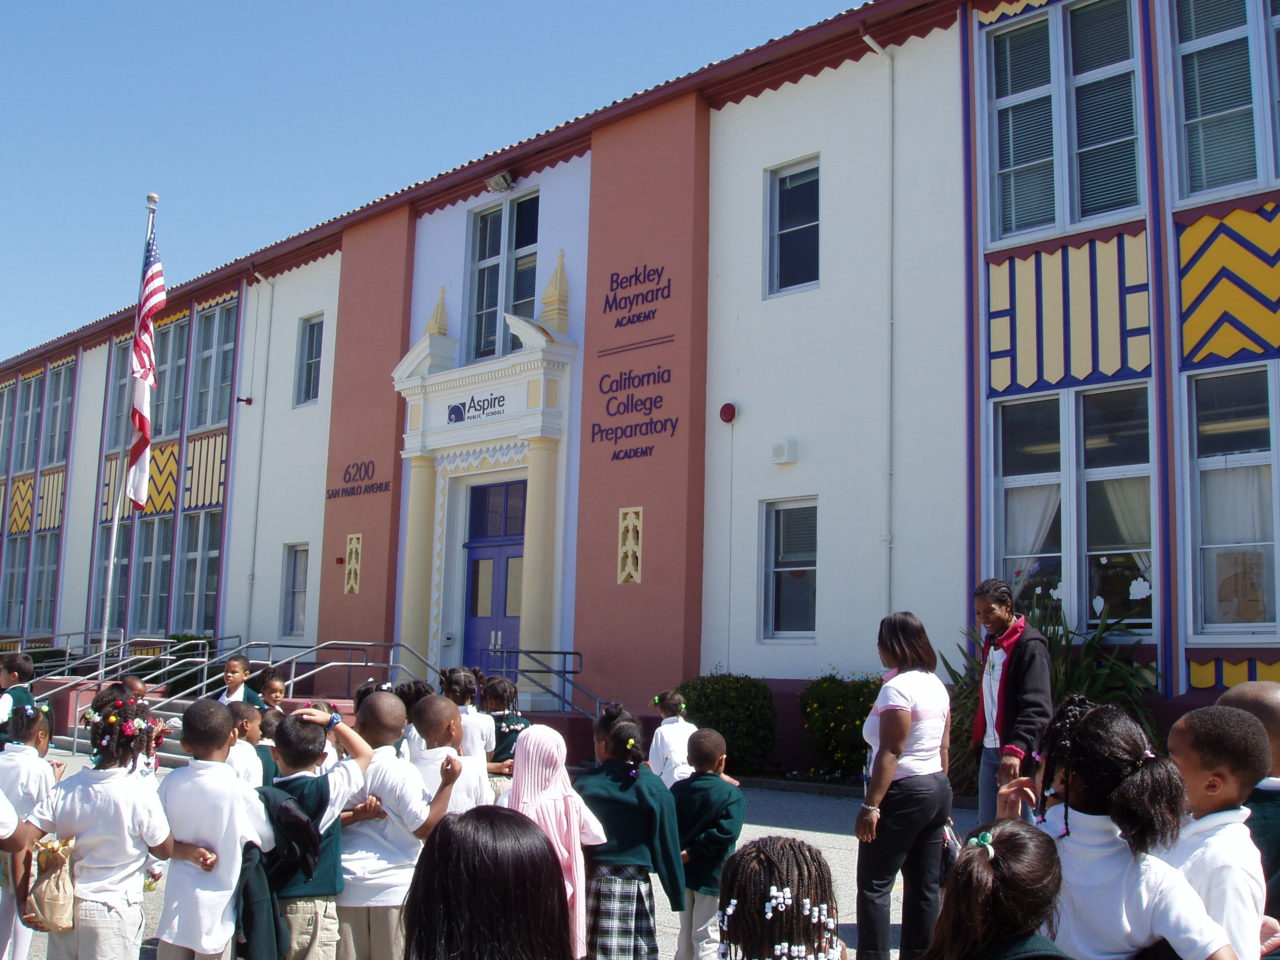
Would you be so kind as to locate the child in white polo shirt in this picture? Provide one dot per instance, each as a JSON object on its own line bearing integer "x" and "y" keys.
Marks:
{"x": 26, "y": 779}
{"x": 243, "y": 758}
{"x": 380, "y": 848}
{"x": 1221, "y": 753}
{"x": 211, "y": 808}
{"x": 440, "y": 724}
{"x": 115, "y": 824}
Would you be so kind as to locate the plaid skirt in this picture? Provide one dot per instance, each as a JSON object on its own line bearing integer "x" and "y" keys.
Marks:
{"x": 620, "y": 922}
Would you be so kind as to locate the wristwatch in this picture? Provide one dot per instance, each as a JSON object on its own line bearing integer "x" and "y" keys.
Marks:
{"x": 335, "y": 718}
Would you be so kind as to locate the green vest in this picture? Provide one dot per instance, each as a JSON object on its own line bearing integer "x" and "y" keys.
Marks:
{"x": 312, "y": 794}
{"x": 20, "y": 698}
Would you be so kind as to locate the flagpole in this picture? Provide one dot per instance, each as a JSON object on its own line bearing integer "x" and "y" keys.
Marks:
{"x": 121, "y": 483}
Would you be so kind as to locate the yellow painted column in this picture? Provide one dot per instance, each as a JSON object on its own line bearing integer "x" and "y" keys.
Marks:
{"x": 537, "y": 589}
{"x": 415, "y": 609}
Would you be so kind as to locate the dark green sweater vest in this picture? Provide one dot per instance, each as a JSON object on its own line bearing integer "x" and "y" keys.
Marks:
{"x": 709, "y": 814}
{"x": 312, "y": 794}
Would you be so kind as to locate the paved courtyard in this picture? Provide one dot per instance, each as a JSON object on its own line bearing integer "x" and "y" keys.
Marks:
{"x": 824, "y": 821}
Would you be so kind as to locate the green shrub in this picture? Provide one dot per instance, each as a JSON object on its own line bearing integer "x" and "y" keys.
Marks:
{"x": 834, "y": 708}
{"x": 741, "y": 708}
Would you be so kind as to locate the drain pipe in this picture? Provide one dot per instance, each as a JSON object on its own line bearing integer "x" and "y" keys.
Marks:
{"x": 887, "y": 57}
{"x": 262, "y": 434}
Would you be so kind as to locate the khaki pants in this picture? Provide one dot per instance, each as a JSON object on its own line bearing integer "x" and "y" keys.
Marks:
{"x": 171, "y": 951}
{"x": 699, "y": 936}
{"x": 369, "y": 933}
{"x": 101, "y": 932}
{"x": 313, "y": 927}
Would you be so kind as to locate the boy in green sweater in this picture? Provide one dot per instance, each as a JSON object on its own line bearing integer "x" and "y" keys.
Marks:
{"x": 709, "y": 813}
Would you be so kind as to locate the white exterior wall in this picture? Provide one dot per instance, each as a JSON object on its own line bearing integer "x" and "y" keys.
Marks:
{"x": 279, "y": 456}
{"x": 79, "y": 514}
{"x": 442, "y": 256}
{"x": 813, "y": 365}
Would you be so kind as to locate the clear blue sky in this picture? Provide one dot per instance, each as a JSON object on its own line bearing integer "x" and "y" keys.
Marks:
{"x": 253, "y": 121}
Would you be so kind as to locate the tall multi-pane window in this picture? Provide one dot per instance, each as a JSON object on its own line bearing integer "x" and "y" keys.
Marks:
{"x": 119, "y": 429}
{"x": 13, "y": 584}
{"x": 119, "y": 578}
{"x": 791, "y": 588}
{"x": 171, "y": 376}
{"x": 57, "y": 413}
{"x": 504, "y": 263}
{"x": 212, "y": 359}
{"x": 310, "y": 346}
{"x": 26, "y": 435}
{"x": 1064, "y": 132}
{"x": 200, "y": 551}
{"x": 8, "y": 399}
{"x": 149, "y": 611}
{"x": 1075, "y": 492}
{"x": 1234, "y": 516}
{"x": 44, "y": 581}
{"x": 295, "y": 590}
{"x": 793, "y": 226}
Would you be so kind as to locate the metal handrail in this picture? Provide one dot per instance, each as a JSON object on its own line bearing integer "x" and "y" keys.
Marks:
{"x": 203, "y": 686}
{"x": 402, "y": 648}
{"x": 565, "y": 674}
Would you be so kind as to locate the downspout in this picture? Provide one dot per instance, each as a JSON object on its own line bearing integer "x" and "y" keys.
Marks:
{"x": 891, "y": 332}
{"x": 262, "y": 434}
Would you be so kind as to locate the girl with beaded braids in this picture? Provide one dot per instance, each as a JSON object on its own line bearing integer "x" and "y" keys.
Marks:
{"x": 115, "y": 825}
{"x": 1120, "y": 801}
{"x": 777, "y": 901}
{"x": 638, "y": 814}
{"x": 26, "y": 777}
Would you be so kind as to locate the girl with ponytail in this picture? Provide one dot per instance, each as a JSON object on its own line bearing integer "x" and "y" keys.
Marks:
{"x": 638, "y": 814}
{"x": 1001, "y": 892}
{"x": 1119, "y": 802}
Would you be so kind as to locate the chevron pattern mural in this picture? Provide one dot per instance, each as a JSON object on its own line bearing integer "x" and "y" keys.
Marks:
{"x": 162, "y": 492}
{"x": 21, "y": 505}
{"x": 1229, "y": 276}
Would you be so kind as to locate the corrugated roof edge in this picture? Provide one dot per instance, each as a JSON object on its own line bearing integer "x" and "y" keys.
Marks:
{"x": 556, "y": 142}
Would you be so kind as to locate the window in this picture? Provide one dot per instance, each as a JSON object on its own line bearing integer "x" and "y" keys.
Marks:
{"x": 26, "y": 429}
{"x": 793, "y": 227}
{"x": 1064, "y": 117}
{"x": 44, "y": 581}
{"x": 307, "y": 379}
{"x": 1223, "y": 134}
{"x": 119, "y": 579}
{"x": 201, "y": 546}
{"x": 8, "y": 397}
{"x": 792, "y": 552}
{"x": 151, "y": 583}
{"x": 119, "y": 430}
{"x": 171, "y": 373}
{"x": 215, "y": 337}
{"x": 295, "y": 590}
{"x": 1075, "y": 477}
{"x": 57, "y": 413}
{"x": 13, "y": 585}
{"x": 504, "y": 265}
{"x": 1234, "y": 518}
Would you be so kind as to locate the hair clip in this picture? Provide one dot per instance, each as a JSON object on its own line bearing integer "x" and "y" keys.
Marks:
{"x": 1035, "y": 755}
{"x": 983, "y": 840}
{"x": 657, "y": 700}
{"x": 728, "y": 911}
{"x": 91, "y": 715}
{"x": 1148, "y": 755}
{"x": 44, "y": 708}
{"x": 28, "y": 710}
{"x": 111, "y": 719}
{"x": 118, "y": 703}
{"x": 724, "y": 951}
{"x": 105, "y": 740}
{"x": 631, "y": 744}
{"x": 682, "y": 706}
{"x": 129, "y": 728}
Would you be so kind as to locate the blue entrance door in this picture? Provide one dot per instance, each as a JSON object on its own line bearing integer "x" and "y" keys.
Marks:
{"x": 495, "y": 568}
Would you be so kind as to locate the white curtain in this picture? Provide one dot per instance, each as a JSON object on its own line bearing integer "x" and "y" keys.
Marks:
{"x": 1130, "y": 500}
{"x": 1235, "y": 505}
{"x": 1028, "y": 518}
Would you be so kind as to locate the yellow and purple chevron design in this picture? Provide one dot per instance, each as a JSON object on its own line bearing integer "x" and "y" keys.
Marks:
{"x": 1229, "y": 278}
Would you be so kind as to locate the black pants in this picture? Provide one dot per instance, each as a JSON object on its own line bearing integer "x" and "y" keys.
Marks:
{"x": 908, "y": 839}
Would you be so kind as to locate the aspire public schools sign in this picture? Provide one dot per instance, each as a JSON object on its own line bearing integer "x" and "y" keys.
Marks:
{"x": 476, "y": 407}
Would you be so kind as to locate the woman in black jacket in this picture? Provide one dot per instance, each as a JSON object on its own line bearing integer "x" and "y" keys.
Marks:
{"x": 1014, "y": 699}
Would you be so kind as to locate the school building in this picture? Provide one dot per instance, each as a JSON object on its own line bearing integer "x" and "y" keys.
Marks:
{"x": 716, "y": 376}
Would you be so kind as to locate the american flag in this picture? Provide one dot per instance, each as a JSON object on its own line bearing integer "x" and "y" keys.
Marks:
{"x": 151, "y": 300}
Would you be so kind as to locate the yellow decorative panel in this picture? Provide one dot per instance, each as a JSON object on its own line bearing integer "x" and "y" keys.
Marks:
{"x": 1233, "y": 673}
{"x": 49, "y": 511}
{"x": 21, "y": 503}
{"x": 1008, "y": 9}
{"x": 1269, "y": 671}
{"x": 110, "y": 479}
{"x": 1229, "y": 281}
{"x": 213, "y": 301}
{"x": 1204, "y": 675}
{"x": 1069, "y": 316}
{"x": 351, "y": 563}
{"x": 162, "y": 487}
{"x": 630, "y": 524}
{"x": 205, "y": 476}
{"x": 169, "y": 318}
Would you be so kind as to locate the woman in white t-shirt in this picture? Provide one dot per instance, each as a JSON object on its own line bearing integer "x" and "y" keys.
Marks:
{"x": 908, "y": 796}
